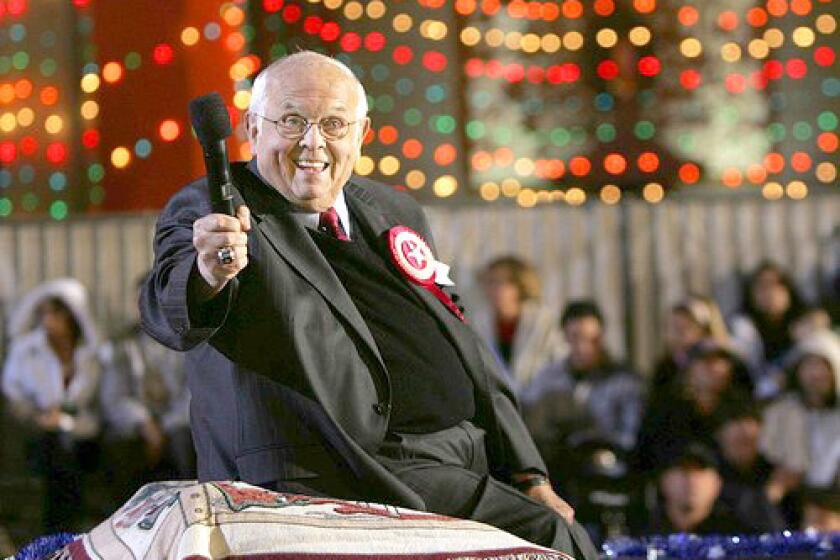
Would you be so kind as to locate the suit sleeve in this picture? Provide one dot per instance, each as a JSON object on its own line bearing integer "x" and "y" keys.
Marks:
{"x": 513, "y": 450}
{"x": 168, "y": 312}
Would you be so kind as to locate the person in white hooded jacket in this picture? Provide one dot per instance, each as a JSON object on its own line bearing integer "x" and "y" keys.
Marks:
{"x": 801, "y": 435}
{"x": 51, "y": 379}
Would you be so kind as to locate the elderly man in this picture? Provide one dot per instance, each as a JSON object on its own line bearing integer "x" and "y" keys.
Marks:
{"x": 326, "y": 354}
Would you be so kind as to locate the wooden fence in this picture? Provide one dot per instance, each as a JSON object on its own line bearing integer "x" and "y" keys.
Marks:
{"x": 634, "y": 258}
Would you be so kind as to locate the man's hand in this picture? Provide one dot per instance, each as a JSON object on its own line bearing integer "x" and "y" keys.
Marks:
{"x": 545, "y": 494}
{"x": 154, "y": 440}
{"x": 49, "y": 420}
{"x": 213, "y": 232}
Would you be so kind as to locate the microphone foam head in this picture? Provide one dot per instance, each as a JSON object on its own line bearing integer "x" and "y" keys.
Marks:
{"x": 210, "y": 118}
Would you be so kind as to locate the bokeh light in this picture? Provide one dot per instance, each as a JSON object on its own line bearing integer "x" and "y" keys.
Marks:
{"x": 445, "y": 186}
{"x": 610, "y": 194}
{"x": 169, "y": 130}
{"x": 90, "y": 83}
{"x": 120, "y": 157}
{"x": 112, "y": 72}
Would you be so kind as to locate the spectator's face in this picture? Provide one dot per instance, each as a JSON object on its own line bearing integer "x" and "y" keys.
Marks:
{"x": 738, "y": 440}
{"x": 311, "y": 170}
{"x": 816, "y": 379}
{"x": 55, "y": 320}
{"x": 710, "y": 375}
{"x": 820, "y": 518}
{"x": 682, "y": 332}
{"x": 690, "y": 489}
{"x": 501, "y": 292}
{"x": 584, "y": 336}
{"x": 770, "y": 294}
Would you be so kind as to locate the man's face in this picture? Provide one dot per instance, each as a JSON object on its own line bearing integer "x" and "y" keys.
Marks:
{"x": 584, "y": 337}
{"x": 690, "y": 488}
{"x": 738, "y": 440}
{"x": 309, "y": 171}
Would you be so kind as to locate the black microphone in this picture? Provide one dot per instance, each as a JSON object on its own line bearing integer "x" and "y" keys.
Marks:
{"x": 211, "y": 123}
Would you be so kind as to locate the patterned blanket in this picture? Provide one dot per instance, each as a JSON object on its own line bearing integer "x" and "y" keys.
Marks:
{"x": 189, "y": 521}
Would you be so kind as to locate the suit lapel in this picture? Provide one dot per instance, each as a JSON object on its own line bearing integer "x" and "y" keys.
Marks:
{"x": 371, "y": 217}
{"x": 272, "y": 215}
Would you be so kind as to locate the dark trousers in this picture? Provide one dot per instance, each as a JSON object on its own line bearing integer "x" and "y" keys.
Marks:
{"x": 449, "y": 470}
{"x": 62, "y": 464}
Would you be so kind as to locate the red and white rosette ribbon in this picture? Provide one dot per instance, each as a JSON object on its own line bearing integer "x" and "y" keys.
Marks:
{"x": 413, "y": 257}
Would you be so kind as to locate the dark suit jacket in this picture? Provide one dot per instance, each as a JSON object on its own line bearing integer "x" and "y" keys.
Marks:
{"x": 286, "y": 380}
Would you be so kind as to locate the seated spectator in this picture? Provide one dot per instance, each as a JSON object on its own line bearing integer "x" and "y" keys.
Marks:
{"x": 821, "y": 509}
{"x": 145, "y": 394}
{"x": 521, "y": 331}
{"x": 690, "y": 487}
{"x": 761, "y": 332}
{"x": 690, "y": 322}
{"x": 146, "y": 407}
{"x": 802, "y": 428}
{"x": 51, "y": 378}
{"x": 745, "y": 471}
{"x": 587, "y": 395}
{"x": 712, "y": 376}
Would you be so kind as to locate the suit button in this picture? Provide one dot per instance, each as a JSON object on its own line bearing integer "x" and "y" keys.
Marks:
{"x": 381, "y": 408}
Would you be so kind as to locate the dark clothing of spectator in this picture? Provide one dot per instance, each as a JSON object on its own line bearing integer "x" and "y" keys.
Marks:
{"x": 744, "y": 494}
{"x": 670, "y": 424}
{"x": 663, "y": 383}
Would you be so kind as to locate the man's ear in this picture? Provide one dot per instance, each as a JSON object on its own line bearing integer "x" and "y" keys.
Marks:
{"x": 365, "y": 128}
{"x": 252, "y": 130}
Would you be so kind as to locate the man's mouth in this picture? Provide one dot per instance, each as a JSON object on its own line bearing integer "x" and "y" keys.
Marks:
{"x": 311, "y": 165}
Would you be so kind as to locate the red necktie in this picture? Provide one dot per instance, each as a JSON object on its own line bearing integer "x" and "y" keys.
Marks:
{"x": 328, "y": 222}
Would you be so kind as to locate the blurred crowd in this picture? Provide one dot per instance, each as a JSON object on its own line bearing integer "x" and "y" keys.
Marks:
{"x": 736, "y": 428}
{"x": 97, "y": 417}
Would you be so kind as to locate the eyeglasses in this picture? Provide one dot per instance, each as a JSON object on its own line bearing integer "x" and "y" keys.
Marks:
{"x": 294, "y": 126}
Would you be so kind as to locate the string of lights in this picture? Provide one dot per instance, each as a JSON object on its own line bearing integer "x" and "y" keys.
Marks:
{"x": 532, "y": 101}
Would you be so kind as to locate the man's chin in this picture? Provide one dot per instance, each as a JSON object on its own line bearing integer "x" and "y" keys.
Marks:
{"x": 314, "y": 199}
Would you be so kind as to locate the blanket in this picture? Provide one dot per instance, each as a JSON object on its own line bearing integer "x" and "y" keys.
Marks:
{"x": 189, "y": 521}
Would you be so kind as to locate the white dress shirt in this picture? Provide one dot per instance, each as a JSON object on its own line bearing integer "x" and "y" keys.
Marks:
{"x": 311, "y": 219}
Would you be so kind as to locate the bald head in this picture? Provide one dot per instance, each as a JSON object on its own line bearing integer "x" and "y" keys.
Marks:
{"x": 304, "y": 63}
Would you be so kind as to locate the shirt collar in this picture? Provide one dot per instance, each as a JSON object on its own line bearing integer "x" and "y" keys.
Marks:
{"x": 310, "y": 219}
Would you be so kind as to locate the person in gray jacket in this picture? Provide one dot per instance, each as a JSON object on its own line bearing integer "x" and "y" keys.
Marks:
{"x": 587, "y": 395}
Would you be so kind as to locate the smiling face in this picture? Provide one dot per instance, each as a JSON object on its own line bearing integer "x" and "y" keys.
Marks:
{"x": 311, "y": 170}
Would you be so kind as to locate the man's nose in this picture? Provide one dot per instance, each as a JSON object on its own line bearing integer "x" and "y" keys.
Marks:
{"x": 313, "y": 139}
